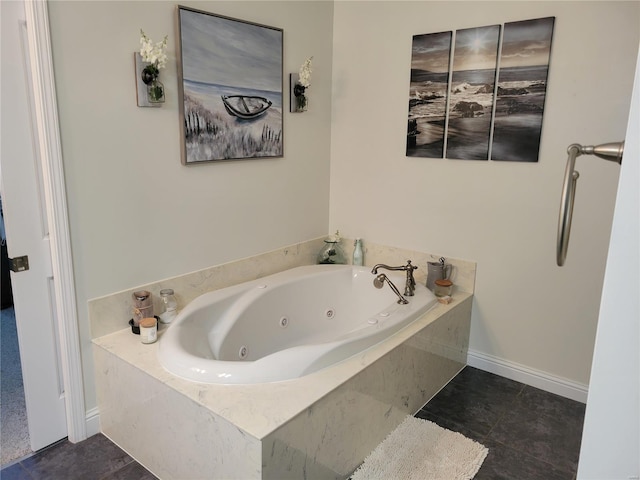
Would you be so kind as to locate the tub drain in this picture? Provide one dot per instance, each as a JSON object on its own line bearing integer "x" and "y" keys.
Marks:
{"x": 330, "y": 313}
{"x": 284, "y": 321}
{"x": 244, "y": 351}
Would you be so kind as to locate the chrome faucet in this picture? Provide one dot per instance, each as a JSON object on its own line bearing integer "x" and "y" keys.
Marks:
{"x": 410, "y": 285}
{"x": 378, "y": 282}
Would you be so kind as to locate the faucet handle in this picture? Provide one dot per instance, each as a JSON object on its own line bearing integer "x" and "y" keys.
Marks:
{"x": 409, "y": 266}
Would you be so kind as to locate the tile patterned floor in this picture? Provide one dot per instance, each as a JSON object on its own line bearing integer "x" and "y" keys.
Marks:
{"x": 97, "y": 458}
{"x": 530, "y": 434}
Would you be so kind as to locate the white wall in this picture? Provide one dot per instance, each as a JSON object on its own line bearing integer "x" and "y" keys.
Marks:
{"x": 136, "y": 214}
{"x": 527, "y": 312}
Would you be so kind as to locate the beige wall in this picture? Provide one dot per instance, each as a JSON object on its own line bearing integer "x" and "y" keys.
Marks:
{"x": 136, "y": 214}
{"x": 503, "y": 215}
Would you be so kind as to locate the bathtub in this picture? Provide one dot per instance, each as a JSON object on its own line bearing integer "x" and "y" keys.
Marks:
{"x": 285, "y": 325}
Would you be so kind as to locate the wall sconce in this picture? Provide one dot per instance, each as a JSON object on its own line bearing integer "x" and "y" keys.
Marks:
{"x": 149, "y": 90}
{"x": 148, "y": 63}
{"x": 297, "y": 99}
{"x": 298, "y": 84}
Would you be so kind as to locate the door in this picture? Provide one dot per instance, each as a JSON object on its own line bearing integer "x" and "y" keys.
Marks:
{"x": 27, "y": 234}
{"x": 611, "y": 438}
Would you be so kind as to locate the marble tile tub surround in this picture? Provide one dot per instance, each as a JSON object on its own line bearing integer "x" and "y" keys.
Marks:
{"x": 111, "y": 313}
{"x": 331, "y": 438}
{"x": 463, "y": 273}
{"x": 168, "y": 424}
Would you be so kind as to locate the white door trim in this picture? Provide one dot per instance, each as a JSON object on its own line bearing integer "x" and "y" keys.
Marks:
{"x": 48, "y": 138}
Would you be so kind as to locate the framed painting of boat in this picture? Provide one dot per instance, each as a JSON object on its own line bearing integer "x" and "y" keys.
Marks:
{"x": 230, "y": 88}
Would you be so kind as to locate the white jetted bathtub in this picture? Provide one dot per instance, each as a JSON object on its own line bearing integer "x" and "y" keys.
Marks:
{"x": 286, "y": 325}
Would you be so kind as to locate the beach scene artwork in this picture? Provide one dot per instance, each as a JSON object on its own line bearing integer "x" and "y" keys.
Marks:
{"x": 475, "y": 58}
{"x": 230, "y": 81}
{"x": 522, "y": 86}
{"x": 430, "y": 55}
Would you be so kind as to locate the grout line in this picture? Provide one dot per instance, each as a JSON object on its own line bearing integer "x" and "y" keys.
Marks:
{"x": 537, "y": 460}
{"x": 506, "y": 410}
{"x": 111, "y": 472}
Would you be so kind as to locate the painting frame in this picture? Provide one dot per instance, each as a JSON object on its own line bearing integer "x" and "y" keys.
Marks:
{"x": 427, "y": 112}
{"x": 471, "y": 93}
{"x": 522, "y": 84}
{"x": 230, "y": 88}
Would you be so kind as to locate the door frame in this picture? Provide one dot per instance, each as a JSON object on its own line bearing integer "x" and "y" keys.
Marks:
{"x": 48, "y": 138}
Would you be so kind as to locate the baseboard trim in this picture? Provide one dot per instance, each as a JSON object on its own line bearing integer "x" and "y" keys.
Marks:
{"x": 93, "y": 421}
{"x": 529, "y": 376}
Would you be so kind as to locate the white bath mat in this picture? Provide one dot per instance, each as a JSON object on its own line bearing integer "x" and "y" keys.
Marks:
{"x": 421, "y": 450}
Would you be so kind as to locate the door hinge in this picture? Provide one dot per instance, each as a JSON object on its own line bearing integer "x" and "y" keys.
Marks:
{"x": 19, "y": 264}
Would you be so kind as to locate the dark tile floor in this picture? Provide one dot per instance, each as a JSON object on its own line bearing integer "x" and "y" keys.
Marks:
{"x": 531, "y": 434}
{"x": 97, "y": 458}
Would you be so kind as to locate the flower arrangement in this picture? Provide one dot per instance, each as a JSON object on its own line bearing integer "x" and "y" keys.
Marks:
{"x": 304, "y": 82}
{"x": 156, "y": 55}
{"x": 305, "y": 73}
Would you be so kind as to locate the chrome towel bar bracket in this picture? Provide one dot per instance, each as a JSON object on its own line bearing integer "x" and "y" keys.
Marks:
{"x": 607, "y": 151}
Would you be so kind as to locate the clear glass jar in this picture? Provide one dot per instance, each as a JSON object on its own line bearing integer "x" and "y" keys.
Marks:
{"x": 332, "y": 253}
{"x": 443, "y": 288}
{"x": 155, "y": 92}
{"x": 168, "y": 306}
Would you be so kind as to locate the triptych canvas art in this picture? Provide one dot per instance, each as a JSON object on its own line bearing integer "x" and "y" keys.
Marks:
{"x": 455, "y": 109}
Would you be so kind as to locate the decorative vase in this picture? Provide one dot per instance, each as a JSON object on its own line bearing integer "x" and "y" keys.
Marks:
{"x": 150, "y": 73}
{"x": 301, "y": 99}
{"x": 155, "y": 88}
{"x": 332, "y": 253}
{"x": 155, "y": 91}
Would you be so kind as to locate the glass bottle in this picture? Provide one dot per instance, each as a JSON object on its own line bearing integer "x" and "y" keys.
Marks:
{"x": 358, "y": 257}
{"x": 169, "y": 305}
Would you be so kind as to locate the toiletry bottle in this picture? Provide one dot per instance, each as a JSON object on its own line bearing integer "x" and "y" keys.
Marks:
{"x": 358, "y": 256}
{"x": 142, "y": 306}
{"x": 169, "y": 308}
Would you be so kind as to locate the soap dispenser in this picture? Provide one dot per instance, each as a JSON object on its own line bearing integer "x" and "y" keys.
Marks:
{"x": 332, "y": 252}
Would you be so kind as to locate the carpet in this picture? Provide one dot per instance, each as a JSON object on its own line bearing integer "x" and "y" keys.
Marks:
{"x": 421, "y": 450}
{"x": 14, "y": 432}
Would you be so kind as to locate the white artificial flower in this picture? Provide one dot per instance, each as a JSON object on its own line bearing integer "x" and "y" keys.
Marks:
{"x": 153, "y": 53}
{"x": 305, "y": 73}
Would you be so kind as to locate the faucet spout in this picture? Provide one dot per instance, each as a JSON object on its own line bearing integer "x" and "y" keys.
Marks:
{"x": 410, "y": 285}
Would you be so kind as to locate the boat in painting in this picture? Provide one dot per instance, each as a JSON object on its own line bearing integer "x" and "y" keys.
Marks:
{"x": 245, "y": 106}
